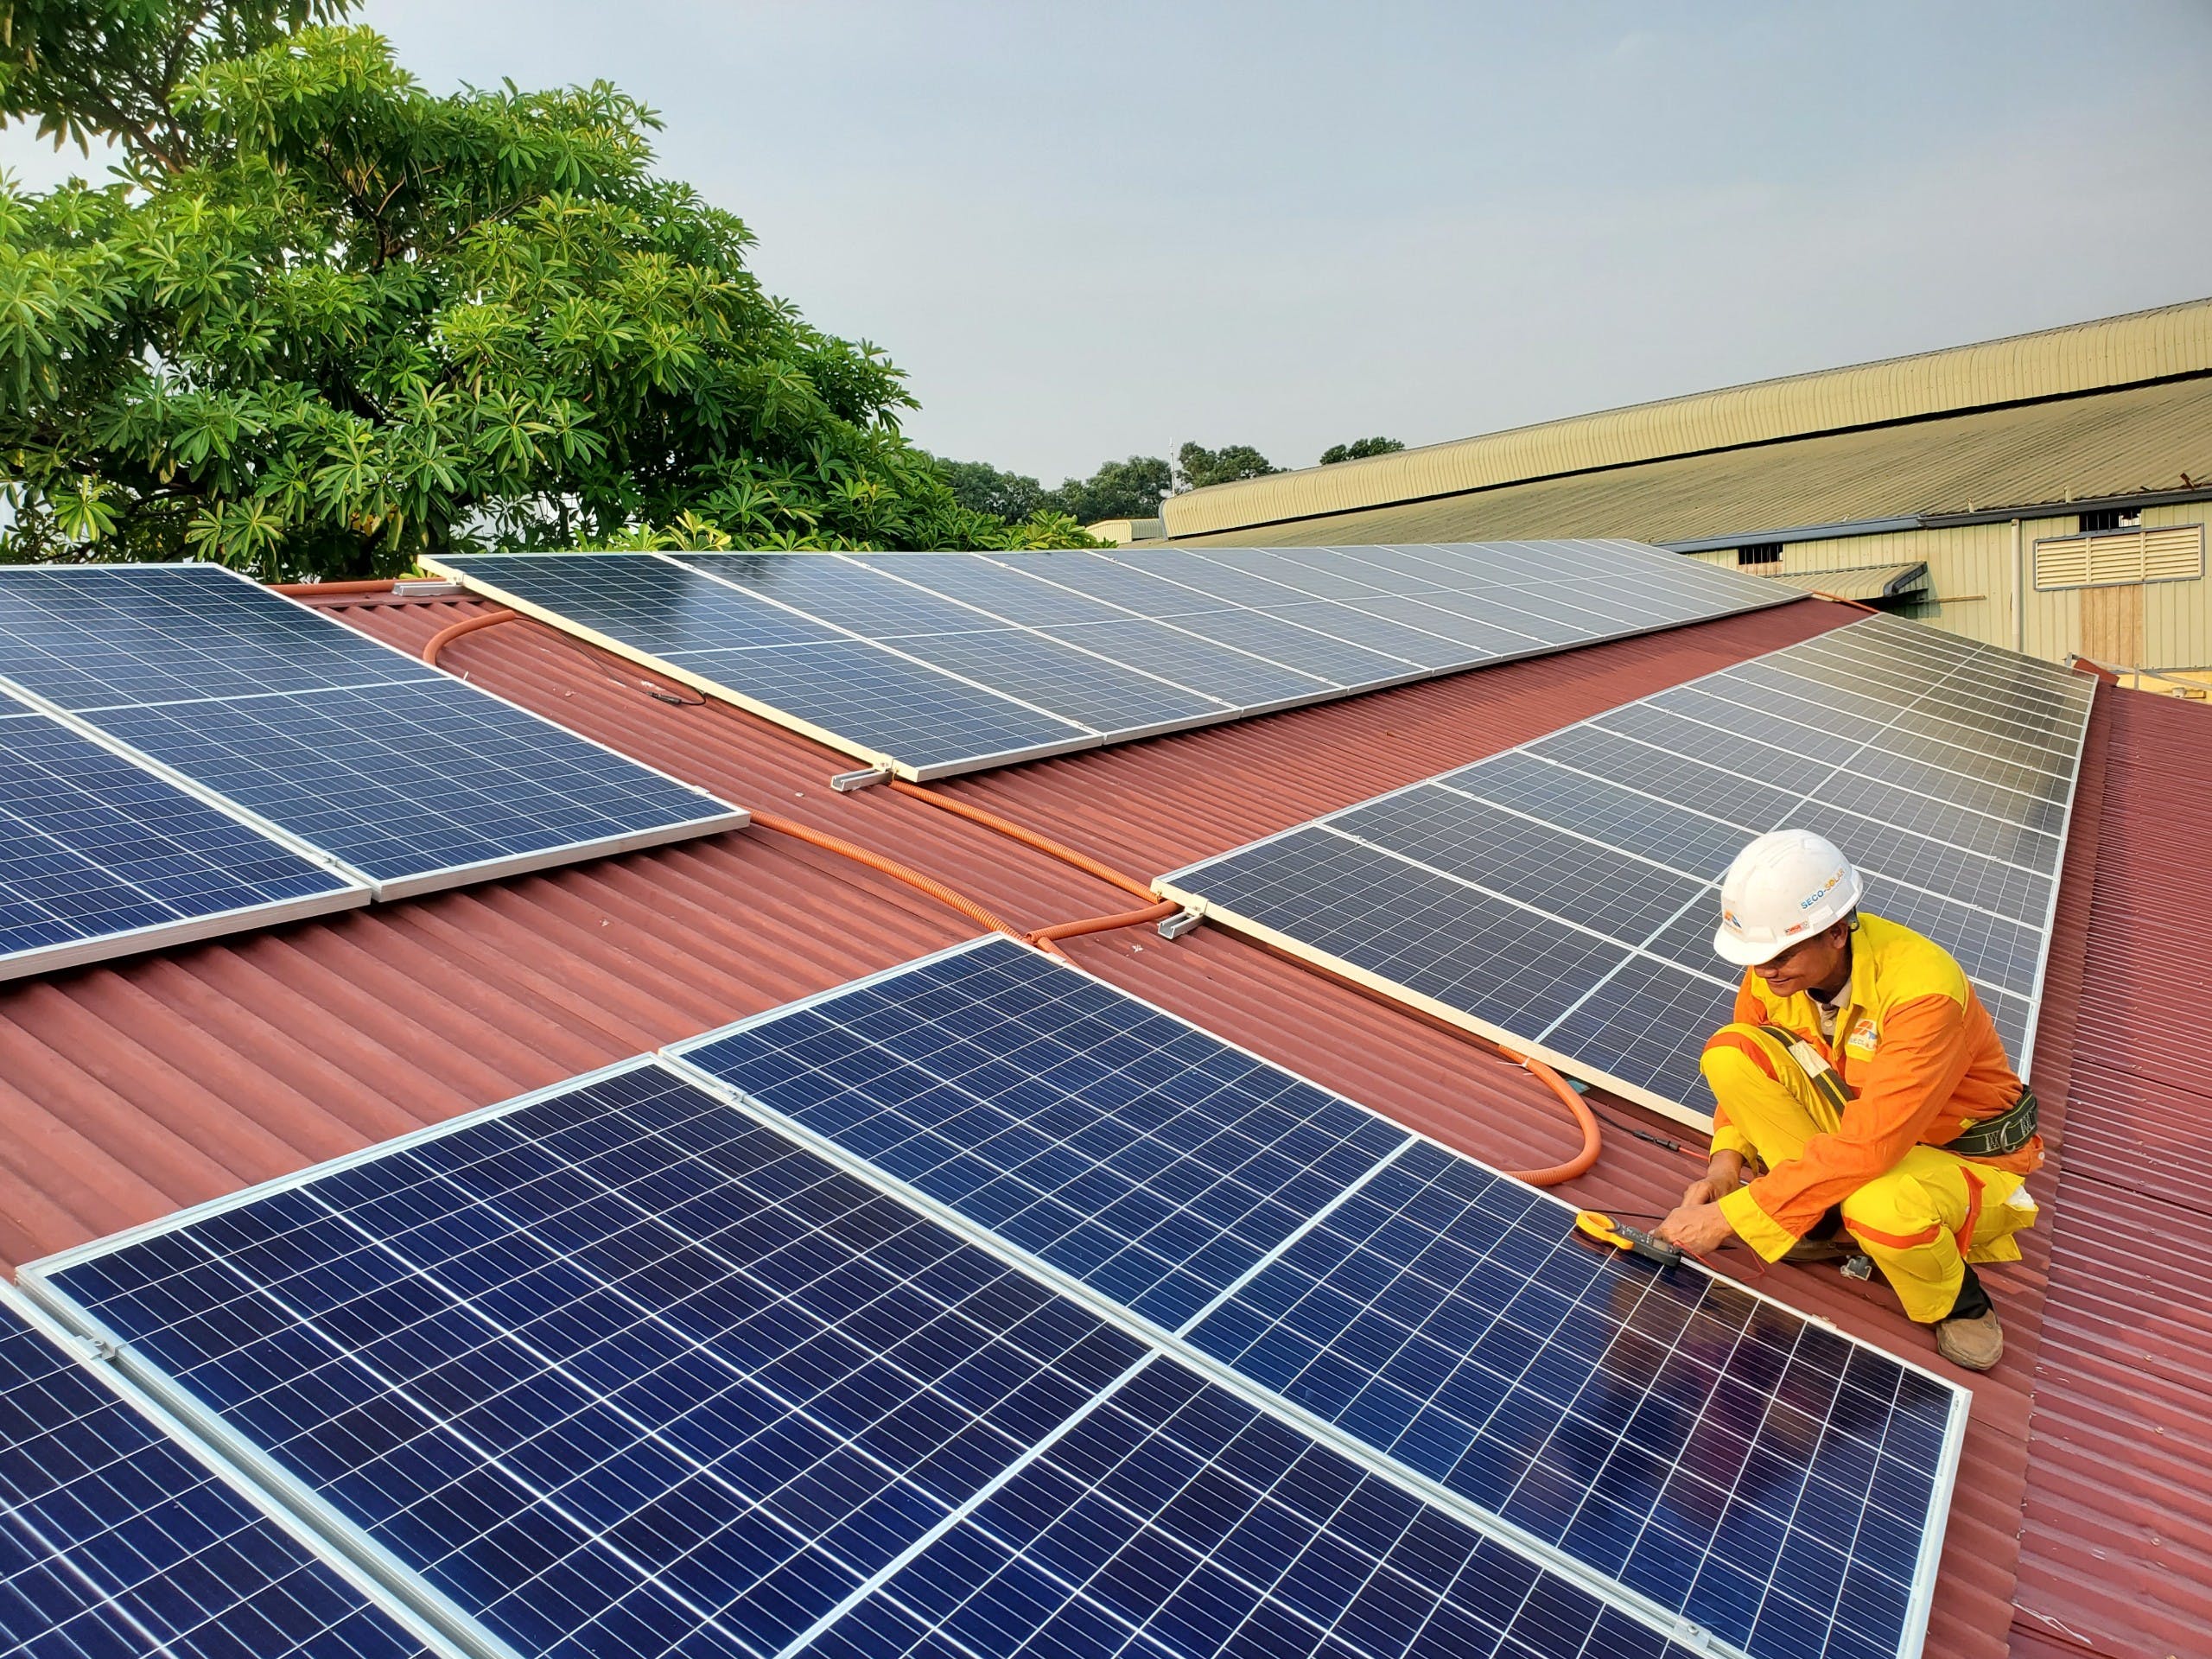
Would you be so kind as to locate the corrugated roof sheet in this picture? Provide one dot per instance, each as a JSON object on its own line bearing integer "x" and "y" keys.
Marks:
{"x": 2111, "y": 444}
{"x": 2117, "y": 1555}
{"x": 131, "y": 1089}
{"x": 2109, "y": 351}
{"x": 1865, "y": 582}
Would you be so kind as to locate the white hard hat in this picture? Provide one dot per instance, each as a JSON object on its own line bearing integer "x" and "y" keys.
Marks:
{"x": 1784, "y": 888}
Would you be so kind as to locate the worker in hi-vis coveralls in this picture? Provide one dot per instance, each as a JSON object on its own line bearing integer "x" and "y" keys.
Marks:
{"x": 1864, "y": 1103}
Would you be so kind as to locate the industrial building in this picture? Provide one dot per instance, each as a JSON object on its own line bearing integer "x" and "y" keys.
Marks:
{"x": 2046, "y": 492}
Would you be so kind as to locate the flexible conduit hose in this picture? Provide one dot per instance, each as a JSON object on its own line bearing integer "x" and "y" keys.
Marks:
{"x": 445, "y": 636}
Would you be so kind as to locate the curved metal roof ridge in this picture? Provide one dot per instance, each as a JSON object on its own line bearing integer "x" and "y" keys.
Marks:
{"x": 2101, "y": 354}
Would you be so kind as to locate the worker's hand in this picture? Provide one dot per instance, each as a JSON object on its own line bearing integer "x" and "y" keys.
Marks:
{"x": 1697, "y": 1228}
{"x": 1722, "y": 1176}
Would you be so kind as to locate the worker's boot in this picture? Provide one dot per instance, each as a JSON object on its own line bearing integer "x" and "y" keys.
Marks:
{"x": 1971, "y": 1336}
{"x": 1826, "y": 1242}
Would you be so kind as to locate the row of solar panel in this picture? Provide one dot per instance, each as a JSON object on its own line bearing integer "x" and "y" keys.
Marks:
{"x": 1564, "y": 893}
{"x": 936, "y": 663}
{"x": 980, "y": 1308}
{"x": 185, "y": 752}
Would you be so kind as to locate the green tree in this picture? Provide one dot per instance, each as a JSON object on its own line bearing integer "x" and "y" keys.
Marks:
{"x": 1119, "y": 489}
{"x": 324, "y": 322}
{"x": 1196, "y": 467}
{"x": 1359, "y": 449}
{"x": 981, "y": 487}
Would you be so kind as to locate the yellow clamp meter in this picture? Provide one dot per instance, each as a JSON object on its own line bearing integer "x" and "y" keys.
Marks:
{"x": 1606, "y": 1230}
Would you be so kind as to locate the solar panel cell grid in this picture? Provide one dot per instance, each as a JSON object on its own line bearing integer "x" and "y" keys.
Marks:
{"x": 402, "y": 781}
{"x": 1754, "y": 1472}
{"x": 1178, "y": 1519}
{"x": 621, "y": 1372}
{"x": 114, "y": 1540}
{"x": 1233, "y": 677}
{"x": 1082, "y": 688}
{"x": 95, "y": 847}
{"x": 103, "y": 636}
{"x": 1143, "y": 1158}
{"x": 1693, "y": 842}
{"x": 1555, "y": 872}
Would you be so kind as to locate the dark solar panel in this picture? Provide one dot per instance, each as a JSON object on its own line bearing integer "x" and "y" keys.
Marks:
{"x": 1132, "y": 1150}
{"x": 1753, "y": 1471}
{"x": 1168, "y": 636}
{"x": 100, "y": 856}
{"x": 1177, "y": 1519}
{"x": 419, "y": 784}
{"x": 620, "y": 1371}
{"x": 100, "y": 636}
{"x": 411, "y": 777}
{"x": 1561, "y": 893}
{"x": 115, "y": 1541}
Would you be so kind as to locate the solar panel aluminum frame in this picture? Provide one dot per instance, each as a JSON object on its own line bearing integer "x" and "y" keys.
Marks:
{"x": 1178, "y": 1347}
{"x": 1090, "y": 738}
{"x": 713, "y": 822}
{"x": 1170, "y": 886}
{"x": 111, "y": 1364}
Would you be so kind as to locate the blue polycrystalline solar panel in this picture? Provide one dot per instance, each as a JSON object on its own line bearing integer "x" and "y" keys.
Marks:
{"x": 115, "y": 1541}
{"x": 619, "y": 1372}
{"x": 98, "y": 636}
{"x": 412, "y": 778}
{"x": 417, "y": 784}
{"x": 1178, "y": 1519}
{"x": 1672, "y": 1431}
{"x": 98, "y": 856}
{"x": 1750, "y": 1470}
{"x": 1132, "y": 1150}
{"x": 931, "y": 663}
{"x": 1562, "y": 894}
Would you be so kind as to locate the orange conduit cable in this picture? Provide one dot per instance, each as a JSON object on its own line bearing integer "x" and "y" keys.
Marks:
{"x": 453, "y": 631}
{"x": 890, "y": 866}
{"x": 1046, "y": 939}
{"x": 1027, "y": 836}
{"x": 330, "y": 589}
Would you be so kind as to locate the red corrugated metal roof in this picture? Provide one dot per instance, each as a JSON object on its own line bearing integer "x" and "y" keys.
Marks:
{"x": 2117, "y": 1554}
{"x": 131, "y": 1089}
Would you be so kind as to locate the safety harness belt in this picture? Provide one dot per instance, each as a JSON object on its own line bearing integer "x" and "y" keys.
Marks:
{"x": 1994, "y": 1137}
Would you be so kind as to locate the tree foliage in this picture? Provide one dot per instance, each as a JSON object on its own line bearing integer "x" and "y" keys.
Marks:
{"x": 325, "y": 322}
{"x": 1119, "y": 489}
{"x": 1196, "y": 467}
{"x": 1359, "y": 449}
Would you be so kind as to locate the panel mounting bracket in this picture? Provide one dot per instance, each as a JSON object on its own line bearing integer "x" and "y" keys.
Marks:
{"x": 846, "y": 782}
{"x": 1175, "y": 926}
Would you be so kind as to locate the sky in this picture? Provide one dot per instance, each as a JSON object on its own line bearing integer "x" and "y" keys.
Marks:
{"x": 1092, "y": 231}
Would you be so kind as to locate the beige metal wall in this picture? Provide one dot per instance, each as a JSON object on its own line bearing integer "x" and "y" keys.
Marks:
{"x": 2165, "y": 624}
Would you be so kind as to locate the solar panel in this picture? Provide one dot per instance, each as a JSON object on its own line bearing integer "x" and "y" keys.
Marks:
{"x": 1131, "y": 1151}
{"x": 407, "y": 778}
{"x": 97, "y": 856}
{"x": 931, "y": 663}
{"x": 1178, "y": 1518}
{"x": 619, "y": 1368}
{"x": 1709, "y": 1450}
{"x": 116, "y": 1541}
{"x": 1560, "y": 895}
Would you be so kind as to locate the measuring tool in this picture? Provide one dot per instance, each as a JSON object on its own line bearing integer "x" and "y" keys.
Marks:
{"x": 1606, "y": 1230}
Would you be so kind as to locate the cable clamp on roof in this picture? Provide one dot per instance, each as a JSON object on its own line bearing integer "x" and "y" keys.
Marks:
{"x": 846, "y": 782}
{"x": 1175, "y": 926}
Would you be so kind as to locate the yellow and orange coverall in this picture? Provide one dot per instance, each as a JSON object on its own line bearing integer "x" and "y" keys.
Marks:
{"x": 1923, "y": 1062}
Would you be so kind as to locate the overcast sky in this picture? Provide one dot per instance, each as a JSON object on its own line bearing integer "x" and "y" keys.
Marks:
{"x": 1090, "y": 229}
